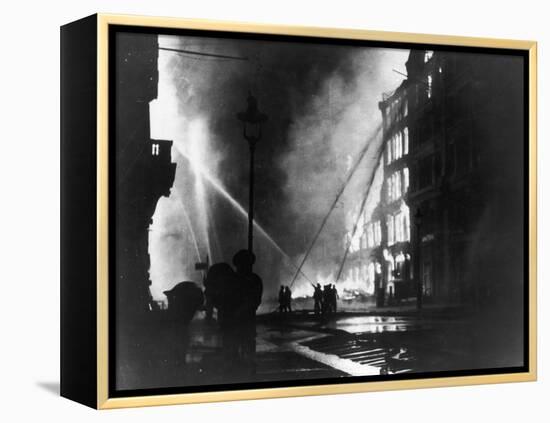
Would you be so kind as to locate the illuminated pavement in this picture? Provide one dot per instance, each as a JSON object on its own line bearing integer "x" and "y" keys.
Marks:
{"x": 366, "y": 345}
{"x": 301, "y": 346}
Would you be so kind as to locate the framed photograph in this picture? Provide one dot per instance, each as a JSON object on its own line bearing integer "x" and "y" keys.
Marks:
{"x": 254, "y": 211}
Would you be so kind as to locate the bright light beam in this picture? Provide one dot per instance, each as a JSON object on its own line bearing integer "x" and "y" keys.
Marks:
{"x": 198, "y": 167}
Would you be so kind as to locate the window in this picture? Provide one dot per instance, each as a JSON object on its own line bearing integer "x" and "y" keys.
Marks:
{"x": 428, "y": 55}
{"x": 394, "y": 186}
{"x": 377, "y": 233}
{"x": 405, "y": 220}
{"x": 391, "y": 229}
{"x": 373, "y": 234}
{"x": 405, "y": 180}
{"x": 370, "y": 236}
{"x": 363, "y": 241}
{"x": 429, "y": 91}
{"x": 155, "y": 150}
{"x": 397, "y": 185}
{"x": 399, "y": 228}
{"x": 397, "y": 146}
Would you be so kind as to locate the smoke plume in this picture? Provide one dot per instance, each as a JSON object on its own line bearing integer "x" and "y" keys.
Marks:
{"x": 322, "y": 103}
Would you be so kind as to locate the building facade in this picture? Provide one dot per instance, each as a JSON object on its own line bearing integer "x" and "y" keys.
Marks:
{"x": 380, "y": 253}
{"x": 394, "y": 252}
{"x": 449, "y": 215}
{"x": 143, "y": 168}
{"x": 466, "y": 164}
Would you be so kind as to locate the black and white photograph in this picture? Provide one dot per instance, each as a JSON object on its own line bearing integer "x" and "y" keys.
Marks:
{"x": 297, "y": 211}
{"x": 294, "y": 211}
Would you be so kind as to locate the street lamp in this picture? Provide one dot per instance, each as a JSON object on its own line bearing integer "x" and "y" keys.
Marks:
{"x": 418, "y": 223}
{"x": 252, "y": 120}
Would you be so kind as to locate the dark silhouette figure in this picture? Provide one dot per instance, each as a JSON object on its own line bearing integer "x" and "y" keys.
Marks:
{"x": 282, "y": 299}
{"x": 333, "y": 298}
{"x": 317, "y": 298}
{"x": 287, "y": 299}
{"x": 222, "y": 290}
{"x": 208, "y": 304}
{"x": 184, "y": 300}
{"x": 250, "y": 288}
{"x": 327, "y": 298}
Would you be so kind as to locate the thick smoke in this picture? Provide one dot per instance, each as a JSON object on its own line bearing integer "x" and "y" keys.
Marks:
{"x": 322, "y": 102}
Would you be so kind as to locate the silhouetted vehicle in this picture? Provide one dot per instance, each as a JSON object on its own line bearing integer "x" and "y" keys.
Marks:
{"x": 184, "y": 300}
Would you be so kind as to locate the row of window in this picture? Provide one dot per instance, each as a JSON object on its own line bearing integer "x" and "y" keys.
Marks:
{"x": 370, "y": 237}
{"x": 396, "y": 110}
{"x": 397, "y": 184}
{"x": 398, "y": 267}
{"x": 397, "y": 146}
{"x": 398, "y": 226}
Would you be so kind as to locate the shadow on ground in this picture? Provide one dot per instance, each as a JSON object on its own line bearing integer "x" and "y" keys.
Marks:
{"x": 50, "y": 387}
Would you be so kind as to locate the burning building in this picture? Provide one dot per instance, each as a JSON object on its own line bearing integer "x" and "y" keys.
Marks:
{"x": 452, "y": 157}
{"x": 380, "y": 251}
{"x": 393, "y": 254}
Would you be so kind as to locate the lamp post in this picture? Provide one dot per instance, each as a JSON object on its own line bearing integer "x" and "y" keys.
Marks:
{"x": 418, "y": 223}
{"x": 252, "y": 120}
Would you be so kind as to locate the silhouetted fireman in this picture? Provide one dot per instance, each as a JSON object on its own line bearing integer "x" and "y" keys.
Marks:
{"x": 288, "y": 299}
{"x": 223, "y": 289}
{"x": 282, "y": 299}
{"x": 327, "y": 293}
{"x": 184, "y": 299}
{"x": 250, "y": 297}
{"x": 333, "y": 298}
{"x": 220, "y": 284}
{"x": 317, "y": 298}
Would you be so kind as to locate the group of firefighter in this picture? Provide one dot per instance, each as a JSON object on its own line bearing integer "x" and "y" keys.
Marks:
{"x": 285, "y": 299}
{"x": 325, "y": 299}
{"x": 236, "y": 294}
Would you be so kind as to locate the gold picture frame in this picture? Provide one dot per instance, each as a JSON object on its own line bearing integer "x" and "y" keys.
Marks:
{"x": 102, "y": 399}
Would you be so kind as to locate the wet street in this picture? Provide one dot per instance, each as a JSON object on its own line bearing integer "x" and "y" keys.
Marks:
{"x": 364, "y": 345}
{"x": 303, "y": 346}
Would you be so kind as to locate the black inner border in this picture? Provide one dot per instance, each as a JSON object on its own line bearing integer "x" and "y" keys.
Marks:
{"x": 114, "y": 29}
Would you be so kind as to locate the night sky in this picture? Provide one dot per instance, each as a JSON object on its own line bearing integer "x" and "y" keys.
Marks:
{"x": 322, "y": 103}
